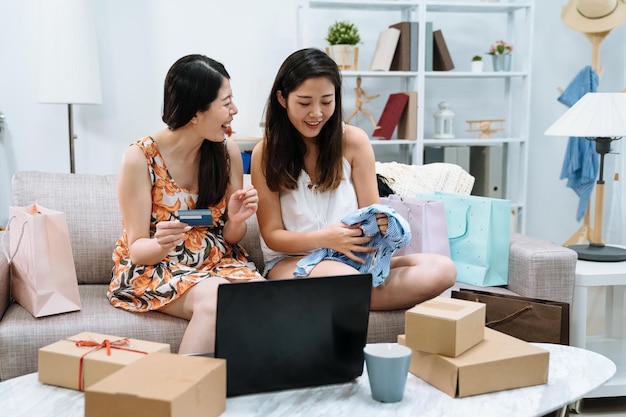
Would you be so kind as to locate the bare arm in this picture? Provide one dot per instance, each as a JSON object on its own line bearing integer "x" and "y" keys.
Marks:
{"x": 135, "y": 200}
{"x": 242, "y": 202}
{"x": 360, "y": 155}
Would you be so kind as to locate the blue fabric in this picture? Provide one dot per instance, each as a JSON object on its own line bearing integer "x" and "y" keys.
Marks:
{"x": 377, "y": 262}
{"x": 581, "y": 162}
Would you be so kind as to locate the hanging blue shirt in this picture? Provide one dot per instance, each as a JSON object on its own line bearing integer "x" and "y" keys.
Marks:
{"x": 377, "y": 262}
{"x": 581, "y": 163}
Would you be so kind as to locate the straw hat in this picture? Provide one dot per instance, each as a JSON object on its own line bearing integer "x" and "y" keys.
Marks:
{"x": 593, "y": 16}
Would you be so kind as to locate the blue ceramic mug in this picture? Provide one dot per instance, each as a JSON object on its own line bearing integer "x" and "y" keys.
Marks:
{"x": 387, "y": 369}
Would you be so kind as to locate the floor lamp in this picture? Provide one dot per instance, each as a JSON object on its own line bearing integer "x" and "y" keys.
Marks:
{"x": 599, "y": 117}
{"x": 69, "y": 69}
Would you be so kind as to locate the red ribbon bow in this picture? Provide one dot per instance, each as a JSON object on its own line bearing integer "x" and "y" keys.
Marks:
{"x": 122, "y": 344}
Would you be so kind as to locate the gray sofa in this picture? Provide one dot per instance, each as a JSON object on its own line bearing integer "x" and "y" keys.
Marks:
{"x": 537, "y": 269}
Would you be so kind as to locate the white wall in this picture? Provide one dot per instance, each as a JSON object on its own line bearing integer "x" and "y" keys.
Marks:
{"x": 138, "y": 41}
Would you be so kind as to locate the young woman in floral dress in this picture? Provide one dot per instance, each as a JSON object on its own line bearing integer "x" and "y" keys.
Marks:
{"x": 162, "y": 263}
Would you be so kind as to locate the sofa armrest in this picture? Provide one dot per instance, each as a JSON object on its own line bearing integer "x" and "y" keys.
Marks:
{"x": 541, "y": 269}
{"x": 5, "y": 289}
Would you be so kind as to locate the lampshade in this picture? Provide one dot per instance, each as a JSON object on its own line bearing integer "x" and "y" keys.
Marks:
{"x": 600, "y": 117}
{"x": 594, "y": 115}
{"x": 69, "y": 70}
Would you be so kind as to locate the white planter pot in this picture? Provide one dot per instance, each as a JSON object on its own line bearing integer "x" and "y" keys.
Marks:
{"x": 346, "y": 56}
{"x": 502, "y": 62}
{"x": 477, "y": 66}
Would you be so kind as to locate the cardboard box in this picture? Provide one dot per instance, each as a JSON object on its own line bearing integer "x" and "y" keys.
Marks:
{"x": 161, "y": 385}
{"x": 60, "y": 362}
{"x": 446, "y": 326}
{"x": 497, "y": 363}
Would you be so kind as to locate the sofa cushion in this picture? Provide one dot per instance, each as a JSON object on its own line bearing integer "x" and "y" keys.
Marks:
{"x": 22, "y": 335}
{"x": 90, "y": 204}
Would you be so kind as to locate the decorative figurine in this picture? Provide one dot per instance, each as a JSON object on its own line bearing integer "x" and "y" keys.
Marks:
{"x": 485, "y": 128}
{"x": 361, "y": 98}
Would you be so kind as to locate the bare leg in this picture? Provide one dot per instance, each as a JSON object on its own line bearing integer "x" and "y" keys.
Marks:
{"x": 413, "y": 279}
{"x": 286, "y": 267}
{"x": 198, "y": 305}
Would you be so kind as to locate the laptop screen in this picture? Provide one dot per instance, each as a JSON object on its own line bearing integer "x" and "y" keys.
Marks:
{"x": 292, "y": 333}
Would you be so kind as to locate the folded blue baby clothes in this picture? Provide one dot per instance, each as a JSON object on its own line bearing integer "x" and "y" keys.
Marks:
{"x": 377, "y": 262}
{"x": 581, "y": 162}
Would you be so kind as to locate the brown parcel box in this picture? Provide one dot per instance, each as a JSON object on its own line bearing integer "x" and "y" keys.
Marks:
{"x": 161, "y": 385}
{"x": 60, "y": 362}
{"x": 446, "y": 326}
{"x": 497, "y": 363}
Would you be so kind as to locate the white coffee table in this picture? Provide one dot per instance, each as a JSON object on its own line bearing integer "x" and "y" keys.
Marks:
{"x": 573, "y": 373}
{"x": 612, "y": 276}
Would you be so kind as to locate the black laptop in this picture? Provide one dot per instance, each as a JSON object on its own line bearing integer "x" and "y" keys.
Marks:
{"x": 292, "y": 333}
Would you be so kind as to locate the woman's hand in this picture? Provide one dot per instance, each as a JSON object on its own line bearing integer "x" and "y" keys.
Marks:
{"x": 347, "y": 240}
{"x": 383, "y": 221}
{"x": 170, "y": 233}
{"x": 243, "y": 204}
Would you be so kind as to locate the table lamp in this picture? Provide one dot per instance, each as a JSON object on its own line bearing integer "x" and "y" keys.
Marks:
{"x": 69, "y": 70}
{"x": 600, "y": 117}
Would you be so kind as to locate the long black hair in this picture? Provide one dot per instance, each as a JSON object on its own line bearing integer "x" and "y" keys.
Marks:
{"x": 283, "y": 158}
{"x": 191, "y": 85}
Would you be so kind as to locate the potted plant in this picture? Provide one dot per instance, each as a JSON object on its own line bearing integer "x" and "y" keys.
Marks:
{"x": 477, "y": 63}
{"x": 501, "y": 52}
{"x": 343, "y": 36}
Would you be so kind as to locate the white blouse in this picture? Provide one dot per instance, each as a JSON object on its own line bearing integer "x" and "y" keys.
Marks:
{"x": 304, "y": 209}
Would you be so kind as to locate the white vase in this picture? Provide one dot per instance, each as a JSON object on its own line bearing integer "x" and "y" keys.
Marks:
{"x": 346, "y": 56}
{"x": 477, "y": 66}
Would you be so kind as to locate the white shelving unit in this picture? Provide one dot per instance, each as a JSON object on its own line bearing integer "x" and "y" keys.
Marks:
{"x": 507, "y": 93}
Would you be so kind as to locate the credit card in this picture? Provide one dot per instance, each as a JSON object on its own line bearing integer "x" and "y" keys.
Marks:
{"x": 200, "y": 217}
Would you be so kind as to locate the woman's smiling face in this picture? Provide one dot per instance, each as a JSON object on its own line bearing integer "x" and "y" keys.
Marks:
{"x": 310, "y": 105}
{"x": 215, "y": 121}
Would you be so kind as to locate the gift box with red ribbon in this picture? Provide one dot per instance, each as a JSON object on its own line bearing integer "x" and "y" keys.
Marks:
{"x": 82, "y": 360}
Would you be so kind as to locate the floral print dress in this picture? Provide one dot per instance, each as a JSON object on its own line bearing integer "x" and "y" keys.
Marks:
{"x": 203, "y": 254}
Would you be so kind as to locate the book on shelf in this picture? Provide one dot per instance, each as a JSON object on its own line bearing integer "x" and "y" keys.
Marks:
{"x": 385, "y": 49}
{"x": 442, "y": 61}
{"x": 406, "y": 51}
{"x": 429, "y": 47}
{"x": 392, "y": 112}
{"x": 407, "y": 125}
{"x": 405, "y": 57}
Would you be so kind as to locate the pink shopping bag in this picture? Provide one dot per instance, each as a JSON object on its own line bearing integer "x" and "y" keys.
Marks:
{"x": 43, "y": 276}
{"x": 429, "y": 232}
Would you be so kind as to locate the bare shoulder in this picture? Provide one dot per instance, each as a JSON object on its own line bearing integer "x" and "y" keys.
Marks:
{"x": 133, "y": 174}
{"x": 355, "y": 134}
{"x": 356, "y": 142}
{"x": 133, "y": 158}
{"x": 258, "y": 148}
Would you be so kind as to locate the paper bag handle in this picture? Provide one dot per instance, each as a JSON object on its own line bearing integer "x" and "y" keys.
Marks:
{"x": 6, "y": 251}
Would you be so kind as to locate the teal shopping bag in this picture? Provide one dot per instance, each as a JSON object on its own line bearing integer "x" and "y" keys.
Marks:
{"x": 479, "y": 233}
